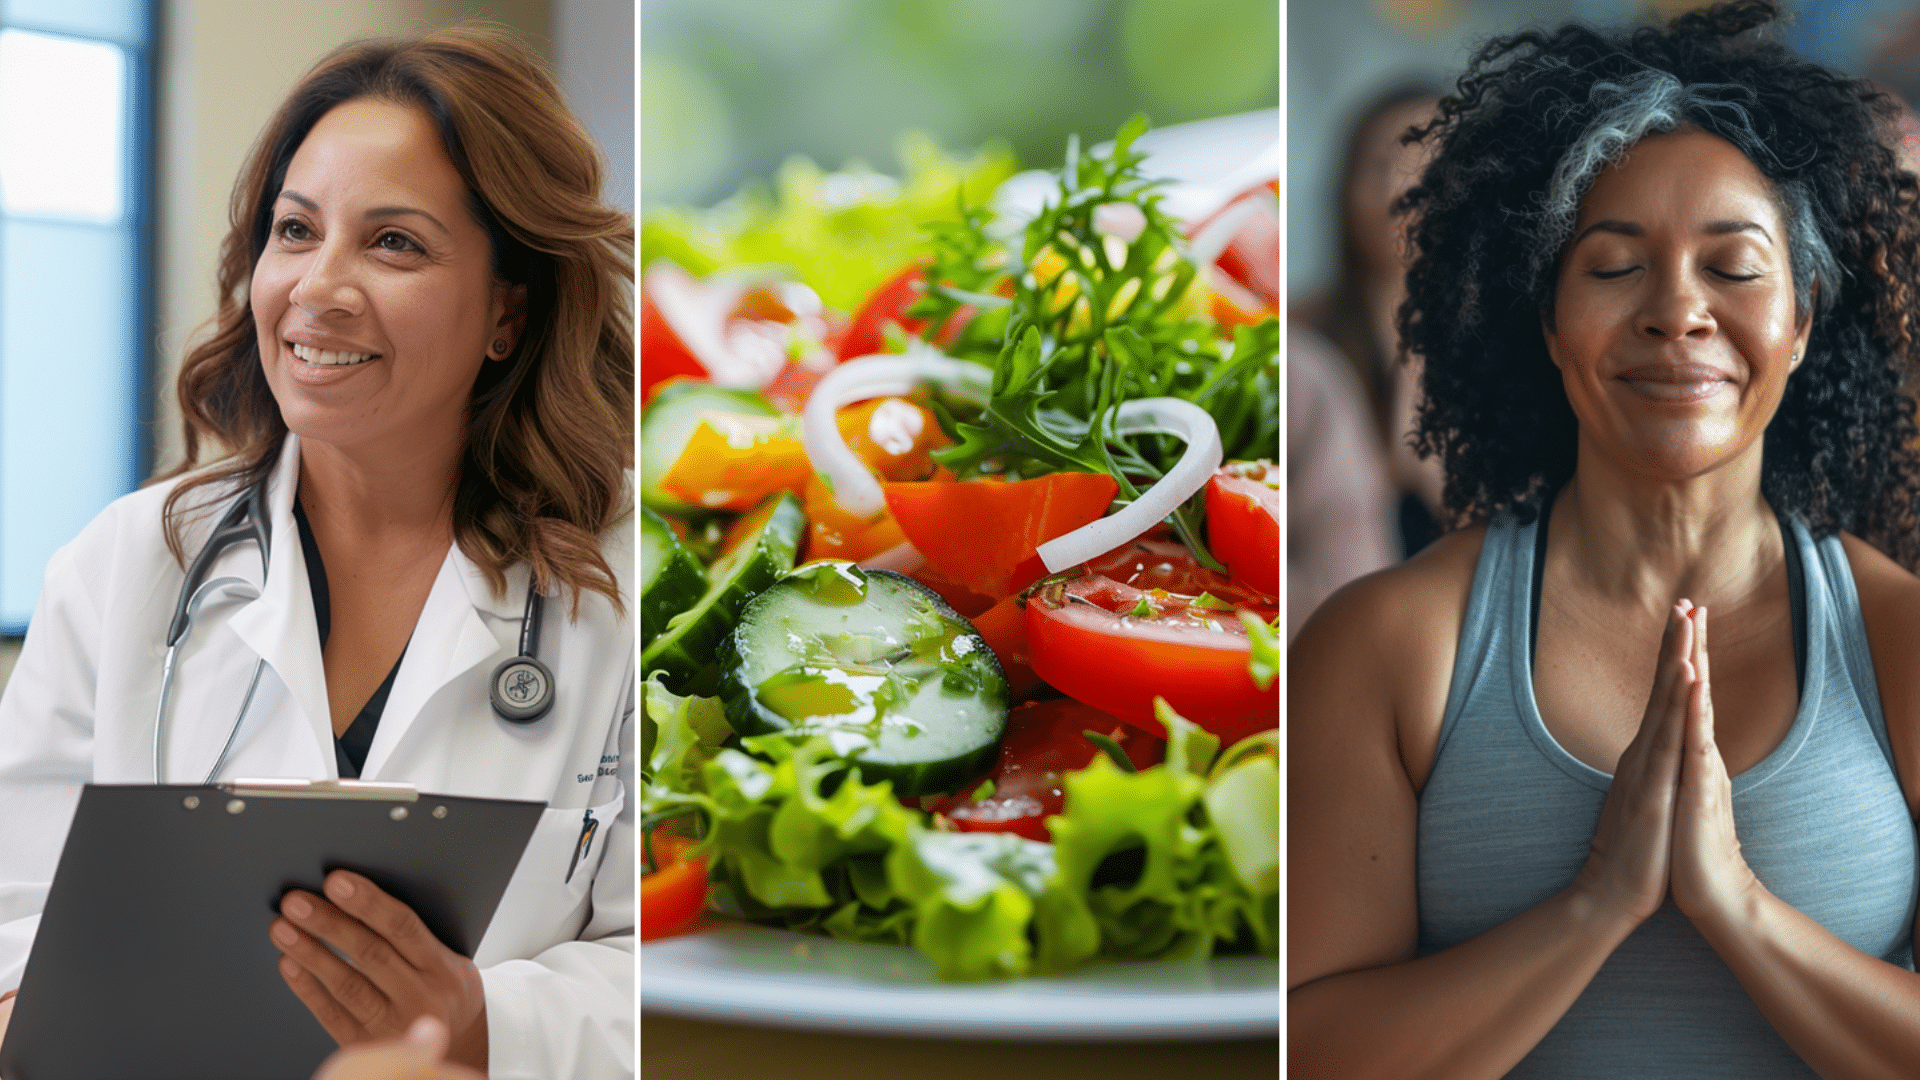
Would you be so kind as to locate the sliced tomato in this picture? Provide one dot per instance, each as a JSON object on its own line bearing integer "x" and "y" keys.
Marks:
{"x": 662, "y": 354}
{"x": 1231, "y": 304}
{"x": 1044, "y": 741}
{"x": 984, "y": 534}
{"x": 737, "y": 328}
{"x": 958, "y": 596}
{"x": 793, "y": 385}
{"x": 1004, "y": 627}
{"x": 867, "y": 333}
{"x": 1243, "y": 522}
{"x": 1135, "y": 625}
{"x": 671, "y": 897}
{"x": 1251, "y": 258}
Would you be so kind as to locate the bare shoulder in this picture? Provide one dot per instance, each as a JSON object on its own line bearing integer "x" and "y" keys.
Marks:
{"x": 1389, "y": 638}
{"x": 1385, "y": 609}
{"x": 1890, "y": 609}
{"x": 1365, "y": 676}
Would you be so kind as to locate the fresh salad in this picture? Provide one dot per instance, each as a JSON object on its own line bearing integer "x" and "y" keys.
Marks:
{"x": 960, "y": 564}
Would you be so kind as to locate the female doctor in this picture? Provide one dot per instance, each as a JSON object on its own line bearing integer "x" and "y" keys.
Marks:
{"x": 421, "y": 380}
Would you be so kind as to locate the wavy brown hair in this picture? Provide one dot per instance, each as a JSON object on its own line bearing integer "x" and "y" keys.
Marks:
{"x": 550, "y": 436}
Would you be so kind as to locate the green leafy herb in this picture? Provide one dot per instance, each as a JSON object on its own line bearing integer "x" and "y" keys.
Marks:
{"x": 1093, "y": 321}
{"x": 1111, "y": 749}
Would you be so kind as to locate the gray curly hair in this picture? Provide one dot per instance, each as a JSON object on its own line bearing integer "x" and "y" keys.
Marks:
{"x": 1655, "y": 102}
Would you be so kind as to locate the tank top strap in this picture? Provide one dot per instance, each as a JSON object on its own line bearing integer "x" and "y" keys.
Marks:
{"x": 1845, "y": 630}
{"x": 1502, "y": 584}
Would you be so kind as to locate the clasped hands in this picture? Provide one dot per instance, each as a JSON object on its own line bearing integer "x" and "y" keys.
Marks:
{"x": 1667, "y": 824}
{"x": 394, "y": 971}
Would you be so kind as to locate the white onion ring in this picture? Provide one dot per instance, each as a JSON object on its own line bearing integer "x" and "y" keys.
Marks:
{"x": 854, "y": 488}
{"x": 1164, "y": 416}
{"x": 1205, "y": 247}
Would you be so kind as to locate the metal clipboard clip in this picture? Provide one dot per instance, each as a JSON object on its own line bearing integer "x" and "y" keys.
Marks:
{"x": 366, "y": 790}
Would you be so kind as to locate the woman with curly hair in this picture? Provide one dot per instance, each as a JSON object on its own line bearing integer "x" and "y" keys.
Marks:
{"x": 1663, "y": 292}
{"x": 415, "y": 417}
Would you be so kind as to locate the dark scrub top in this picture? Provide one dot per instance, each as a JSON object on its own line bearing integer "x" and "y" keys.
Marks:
{"x": 350, "y": 747}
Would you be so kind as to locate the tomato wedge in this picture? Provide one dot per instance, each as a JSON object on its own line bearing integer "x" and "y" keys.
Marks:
{"x": 866, "y": 334}
{"x": 671, "y": 897}
{"x": 662, "y": 354}
{"x": 984, "y": 534}
{"x": 1145, "y": 620}
{"x": 1043, "y": 741}
{"x": 1004, "y": 628}
{"x": 1243, "y": 522}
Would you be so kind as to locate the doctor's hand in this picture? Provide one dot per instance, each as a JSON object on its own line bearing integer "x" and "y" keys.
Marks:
{"x": 419, "y": 1055}
{"x": 398, "y": 973}
{"x": 1711, "y": 879}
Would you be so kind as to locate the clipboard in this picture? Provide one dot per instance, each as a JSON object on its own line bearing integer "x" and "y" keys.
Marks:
{"x": 152, "y": 960}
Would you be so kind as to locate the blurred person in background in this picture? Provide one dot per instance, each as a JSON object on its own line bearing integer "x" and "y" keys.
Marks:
{"x": 1358, "y": 498}
{"x": 1339, "y": 504}
{"x": 1357, "y": 314}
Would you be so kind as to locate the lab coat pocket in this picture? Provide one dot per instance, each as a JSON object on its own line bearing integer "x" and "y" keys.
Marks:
{"x": 547, "y": 900}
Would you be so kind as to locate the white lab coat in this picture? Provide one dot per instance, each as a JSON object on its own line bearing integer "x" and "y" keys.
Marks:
{"x": 557, "y": 960}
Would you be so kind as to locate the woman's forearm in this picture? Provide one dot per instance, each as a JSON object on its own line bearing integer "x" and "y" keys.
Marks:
{"x": 1851, "y": 1016}
{"x": 1473, "y": 1010}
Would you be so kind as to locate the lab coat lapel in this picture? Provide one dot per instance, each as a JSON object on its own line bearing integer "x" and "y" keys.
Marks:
{"x": 454, "y": 636}
{"x": 280, "y": 624}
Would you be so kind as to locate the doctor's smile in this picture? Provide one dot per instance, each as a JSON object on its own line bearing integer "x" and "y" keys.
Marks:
{"x": 325, "y": 358}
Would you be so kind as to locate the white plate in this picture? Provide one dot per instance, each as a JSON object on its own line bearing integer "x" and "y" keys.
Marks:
{"x": 741, "y": 973}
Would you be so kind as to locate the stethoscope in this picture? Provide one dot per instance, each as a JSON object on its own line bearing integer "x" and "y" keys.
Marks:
{"x": 521, "y": 687}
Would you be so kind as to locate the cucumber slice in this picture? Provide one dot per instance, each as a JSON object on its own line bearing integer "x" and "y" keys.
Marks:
{"x": 671, "y": 580}
{"x": 690, "y": 640}
{"x": 668, "y": 423}
{"x": 900, "y": 683}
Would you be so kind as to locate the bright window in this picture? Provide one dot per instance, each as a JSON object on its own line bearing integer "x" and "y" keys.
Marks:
{"x": 74, "y": 315}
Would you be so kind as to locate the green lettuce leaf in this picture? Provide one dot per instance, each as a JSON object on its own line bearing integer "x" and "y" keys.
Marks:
{"x": 1145, "y": 870}
{"x": 973, "y": 897}
{"x": 843, "y": 248}
{"x": 678, "y": 736}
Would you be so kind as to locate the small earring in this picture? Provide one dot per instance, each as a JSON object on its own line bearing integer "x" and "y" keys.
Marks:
{"x": 1795, "y": 359}
{"x": 500, "y": 348}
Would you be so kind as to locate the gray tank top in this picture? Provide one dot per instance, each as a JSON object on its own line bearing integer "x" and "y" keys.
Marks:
{"x": 1507, "y": 816}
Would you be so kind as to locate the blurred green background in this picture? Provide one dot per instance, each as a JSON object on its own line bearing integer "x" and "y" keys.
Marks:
{"x": 732, "y": 88}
